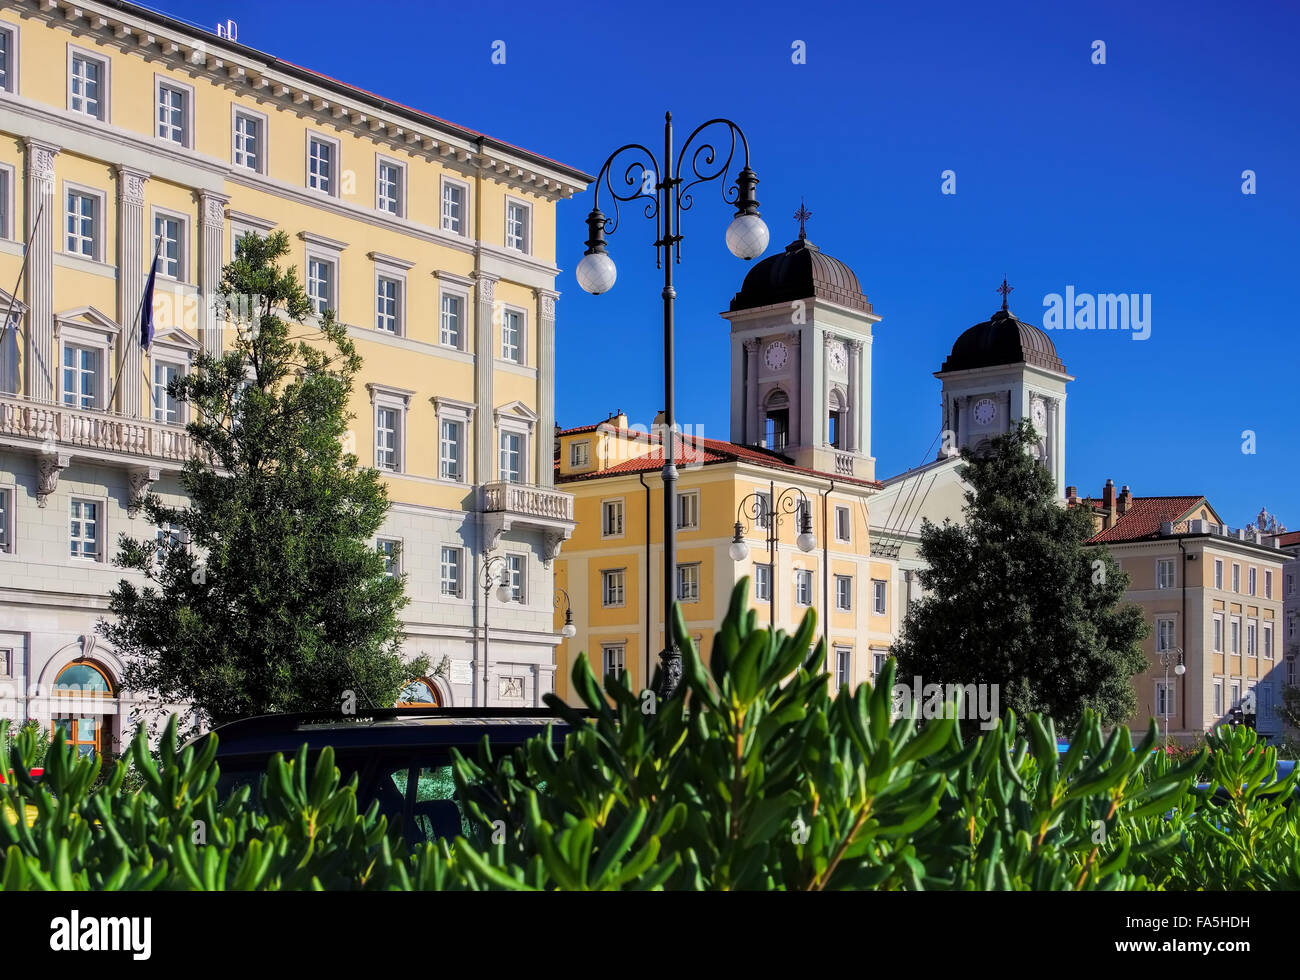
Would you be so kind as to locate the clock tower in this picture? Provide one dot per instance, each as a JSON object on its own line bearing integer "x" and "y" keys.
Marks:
{"x": 999, "y": 372}
{"x": 801, "y": 360}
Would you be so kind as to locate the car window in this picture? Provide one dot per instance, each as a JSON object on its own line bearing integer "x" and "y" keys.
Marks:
{"x": 431, "y": 800}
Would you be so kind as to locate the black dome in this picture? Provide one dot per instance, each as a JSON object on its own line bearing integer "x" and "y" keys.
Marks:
{"x": 802, "y": 271}
{"x": 1002, "y": 339}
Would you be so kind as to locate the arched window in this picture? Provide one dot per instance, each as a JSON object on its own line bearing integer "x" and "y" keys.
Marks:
{"x": 80, "y": 693}
{"x": 776, "y": 420}
{"x": 420, "y": 693}
{"x": 838, "y": 409}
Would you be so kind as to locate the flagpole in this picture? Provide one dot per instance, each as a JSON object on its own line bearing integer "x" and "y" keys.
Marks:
{"x": 157, "y": 248}
{"x": 22, "y": 271}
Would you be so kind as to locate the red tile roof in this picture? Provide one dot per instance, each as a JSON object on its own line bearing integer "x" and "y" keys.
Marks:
{"x": 1144, "y": 517}
{"x": 1288, "y": 539}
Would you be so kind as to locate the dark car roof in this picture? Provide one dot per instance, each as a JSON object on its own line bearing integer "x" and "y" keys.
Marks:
{"x": 383, "y": 728}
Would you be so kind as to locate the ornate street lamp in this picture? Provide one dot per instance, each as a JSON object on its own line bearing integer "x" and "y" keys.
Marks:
{"x": 568, "y": 630}
{"x": 747, "y": 237}
{"x": 493, "y": 575}
{"x": 765, "y": 510}
{"x": 1171, "y": 657}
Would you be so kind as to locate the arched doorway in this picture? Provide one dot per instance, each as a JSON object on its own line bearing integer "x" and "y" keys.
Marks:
{"x": 83, "y": 707}
{"x": 420, "y": 693}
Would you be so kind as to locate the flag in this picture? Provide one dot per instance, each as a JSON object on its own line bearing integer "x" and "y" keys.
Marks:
{"x": 146, "y": 307}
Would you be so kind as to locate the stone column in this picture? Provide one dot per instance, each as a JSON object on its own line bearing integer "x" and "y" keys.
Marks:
{"x": 132, "y": 266}
{"x": 39, "y": 355}
{"x": 212, "y": 256}
{"x": 856, "y": 398}
{"x": 753, "y": 432}
{"x": 545, "y": 387}
{"x": 484, "y": 363}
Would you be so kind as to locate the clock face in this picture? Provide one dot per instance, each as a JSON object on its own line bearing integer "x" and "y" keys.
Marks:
{"x": 985, "y": 411}
{"x": 837, "y": 358}
{"x": 1039, "y": 415}
{"x": 776, "y": 355}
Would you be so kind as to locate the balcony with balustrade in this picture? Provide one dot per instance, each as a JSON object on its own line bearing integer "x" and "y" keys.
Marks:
{"x": 521, "y": 505}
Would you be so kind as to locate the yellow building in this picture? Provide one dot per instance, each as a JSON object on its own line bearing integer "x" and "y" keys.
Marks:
{"x": 1213, "y": 598}
{"x": 434, "y": 243}
{"x": 800, "y": 397}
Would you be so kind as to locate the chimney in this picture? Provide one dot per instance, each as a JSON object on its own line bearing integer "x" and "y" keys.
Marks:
{"x": 1071, "y": 496}
{"x": 1125, "y": 500}
{"x": 1108, "y": 505}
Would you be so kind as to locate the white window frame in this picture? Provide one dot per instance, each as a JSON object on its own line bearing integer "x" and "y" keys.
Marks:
{"x": 511, "y": 425}
{"x": 8, "y": 175}
{"x": 1218, "y": 699}
{"x": 8, "y": 524}
{"x": 1268, "y": 583}
{"x": 688, "y": 504}
{"x": 105, "y": 82}
{"x": 78, "y": 335}
{"x": 613, "y": 588}
{"x": 10, "y": 84}
{"x": 878, "y": 660}
{"x": 101, "y": 535}
{"x": 335, "y": 174}
{"x": 383, "y": 397}
{"x": 879, "y": 597}
{"x": 182, "y": 243}
{"x": 392, "y": 554}
{"x": 1165, "y": 573}
{"x": 844, "y": 596}
{"x": 1234, "y": 636}
{"x": 847, "y": 536}
{"x": 396, "y": 317}
{"x": 1252, "y": 638}
{"x": 762, "y": 583}
{"x": 463, "y": 231}
{"x": 1166, "y": 691}
{"x": 803, "y": 579}
{"x": 462, "y": 326}
{"x": 101, "y": 211}
{"x": 1166, "y": 641}
{"x": 843, "y": 667}
{"x": 166, "y": 359}
{"x": 1236, "y": 578}
{"x": 1266, "y": 639}
{"x": 1252, "y": 579}
{"x": 161, "y": 82}
{"x": 613, "y": 659}
{"x": 521, "y": 348}
{"x": 615, "y": 506}
{"x": 462, "y": 414}
{"x": 527, "y": 244}
{"x": 516, "y": 572}
{"x": 583, "y": 458}
{"x": 688, "y": 582}
{"x": 236, "y": 110}
{"x": 458, "y": 564}
{"x": 382, "y": 161}
{"x": 1218, "y": 632}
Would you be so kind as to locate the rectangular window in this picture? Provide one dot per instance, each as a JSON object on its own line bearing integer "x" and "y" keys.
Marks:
{"x": 803, "y": 587}
{"x": 1164, "y": 635}
{"x": 6, "y": 210}
{"x": 512, "y": 457}
{"x": 843, "y": 666}
{"x": 1268, "y": 584}
{"x": 611, "y": 587}
{"x": 879, "y": 596}
{"x": 1268, "y": 641}
{"x": 320, "y": 285}
{"x": 1290, "y": 583}
{"x": 169, "y": 238}
{"x": 83, "y": 224}
{"x": 1250, "y": 578}
{"x": 1234, "y": 635}
{"x": 1218, "y": 633}
{"x": 762, "y": 583}
{"x": 843, "y": 592}
{"x": 1236, "y": 578}
{"x": 450, "y": 575}
{"x": 391, "y": 549}
{"x": 764, "y": 520}
{"x": 1218, "y": 699}
{"x": 173, "y": 114}
{"x": 611, "y": 518}
{"x": 688, "y": 510}
{"x": 88, "y": 85}
{"x": 390, "y": 191}
{"x": 843, "y": 523}
{"x": 1166, "y": 699}
{"x": 248, "y": 141}
{"x": 579, "y": 453}
{"x": 515, "y": 572}
{"x": 450, "y": 334}
{"x": 83, "y": 529}
{"x": 517, "y": 226}
{"x": 1252, "y": 634}
{"x": 1165, "y": 573}
{"x": 1234, "y": 693}
{"x": 81, "y": 385}
{"x": 166, "y": 409}
{"x": 453, "y": 207}
{"x": 878, "y": 663}
{"x": 8, "y": 59}
{"x": 450, "y": 443}
{"x": 388, "y": 304}
{"x": 6, "y": 509}
{"x": 387, "y": 448}
{"x": 613, "y": 659}
{"x": 511, "y": 336}
{"x": 688, "y": 582}
{"x": 1218, "y": 573}
{"x": 322, "y": 158}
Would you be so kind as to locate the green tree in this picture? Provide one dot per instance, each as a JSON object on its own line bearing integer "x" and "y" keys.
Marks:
{"x": 1015, "y": 597}
{"x": 265, "y": 593}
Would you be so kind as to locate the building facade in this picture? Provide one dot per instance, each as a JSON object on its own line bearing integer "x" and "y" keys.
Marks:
{"x": 1213, "y": 597}
{"x": 122, "y": 130}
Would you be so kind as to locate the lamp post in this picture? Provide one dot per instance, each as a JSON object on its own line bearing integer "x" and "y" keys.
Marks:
{"x": 493, "y": 574}
{"x": 766, "y": 512}
{"x": 1171, "y": 657}
{"x": 747, "y": 236}
{"x": 568, "y": 630}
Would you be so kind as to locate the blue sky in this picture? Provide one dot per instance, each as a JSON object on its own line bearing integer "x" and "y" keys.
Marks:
{"x": 1123, "y": 177}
